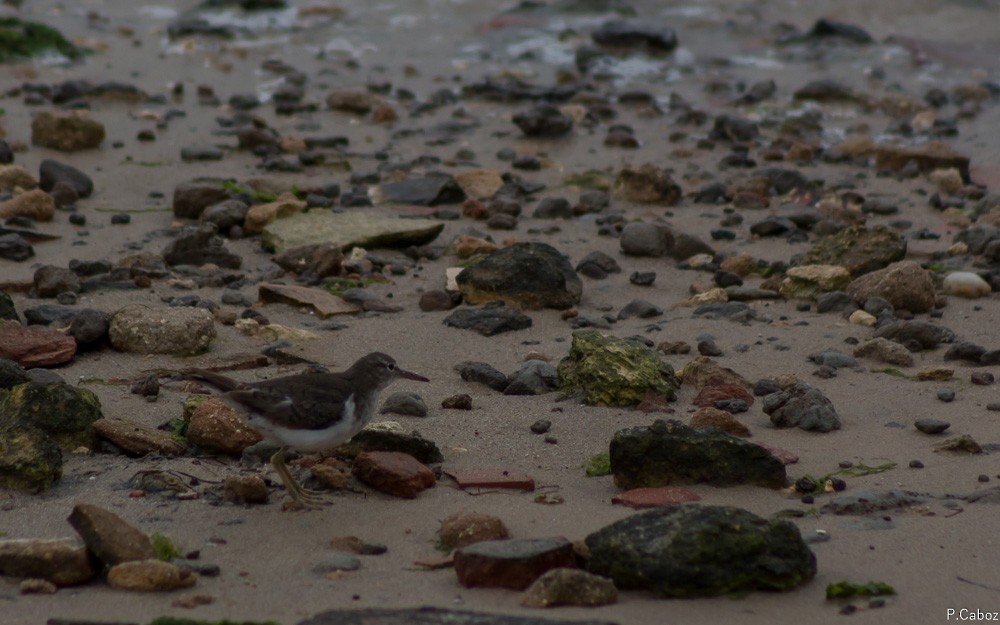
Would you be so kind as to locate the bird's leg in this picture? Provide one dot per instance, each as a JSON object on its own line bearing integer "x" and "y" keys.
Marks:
{"x": 301, "y": 495}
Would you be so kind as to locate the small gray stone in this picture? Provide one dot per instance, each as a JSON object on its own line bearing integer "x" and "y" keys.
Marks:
{"x": 640, "y": 308}
{"x": 931, "y": 426}
{"x": 337, "y": 562}
{"x": 645, "y": 239}
{"x": 833, "y": 358}
{"x": 483, "y": 373}
{"x": 404, "y": 403}
{"x": 534, "y": 377}
{"x": 803, "y": 406}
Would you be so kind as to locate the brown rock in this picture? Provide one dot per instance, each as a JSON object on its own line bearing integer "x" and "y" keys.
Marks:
{"x": 192, "y": 601}
{"x": 384, "y": 114}
{"x": 702, "y": 370}
{"x": 710, "y": 417}
{"x": 569, "y": 587}
{"x": 323, "y": 303}
{"x": 150, "y": 575}
{"x": 244, "y": 489}
{"x": 929, "y": 156}
{"x": 352, "y": 100}
{"x": 109, "y": 537}
{"x": 35, "y": 586}
{"x": 216, "y": 427}
{"x": 347, "y": 544}
{"x": 883, "y": 350}
{"x": 935, "y": 374}
{"x": 904, "y": 284}
{"x": 465, "y": 528}
{"x": 16, "y": 177}
{"x": 333, "y": 472}
{"x": 431, "y": 301}
{"x": 491, "y": 477}
{"x": 136, "y": 439}
{"x": 62, "y": 561}
{"x": 647, "y": 185}
{"x": 716, "y": 390}
{"x": 479, "y": 183}
{"x": 320, "y": 259}
{"x": 393, "y": 473}
{"x": 462, "y": 401}
{"x": 35, "y": 204}
{"x": 262, "y": 214}
{"x": 784, "y": 455}
{"x": 66, "y": 131}
{"x": 656, "y": 497}
{"x": 511, "y": 563}
{"x": 465, "y": 246}
{"x": 192, "y": 198}
{"x": 741, "y": 264}
{"x": 35, "y": 346}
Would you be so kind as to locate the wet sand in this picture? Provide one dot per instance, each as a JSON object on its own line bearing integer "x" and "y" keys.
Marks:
{"x": 936, "y": 558}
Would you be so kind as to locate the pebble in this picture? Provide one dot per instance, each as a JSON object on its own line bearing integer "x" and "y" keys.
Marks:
{"x": 541, "y": 426}
{"x": 946, "y": 395}
{"x": 931, "y": 426}
{"x": 642, "y": 278}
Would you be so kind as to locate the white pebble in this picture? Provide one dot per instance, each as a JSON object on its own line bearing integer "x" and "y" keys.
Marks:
{"x": 966, "y": 284}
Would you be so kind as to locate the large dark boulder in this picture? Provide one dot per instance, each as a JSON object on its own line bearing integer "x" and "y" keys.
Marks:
{"x": 669, "y": 452}
{"x": 527, "y": 275}
{"x": 692, "y": 550}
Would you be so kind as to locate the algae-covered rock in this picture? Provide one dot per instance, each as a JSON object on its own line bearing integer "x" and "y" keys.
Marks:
{"x": 21, "y": 39}
{"x": 29, "y": 459}
{"x": 608, "y": 371}
{"x": 669, "y": 452}
{"x": 811, "y": 280}
{"x": 693, "y": 550}
{"x": 857, "y": 248}
{"x": 63, "y": 412}
{"x": 528, "y": 275}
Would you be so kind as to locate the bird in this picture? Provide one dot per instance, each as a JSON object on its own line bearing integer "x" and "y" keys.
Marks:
{"x": 309, "y": 412}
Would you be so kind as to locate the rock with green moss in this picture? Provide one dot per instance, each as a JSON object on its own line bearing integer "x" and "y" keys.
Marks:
{"x": 669, "y": 452}
{"x": 809, "y": 281}
{"x": 21, "y": 39}
{"x": 857, "y": 248}
{"x": 608, "y": 371}
{"x": 29, "y": 460}
{"x": 691, "y": 550}
{"x": 7, "y": 308}
{"x": 63, "y": 412}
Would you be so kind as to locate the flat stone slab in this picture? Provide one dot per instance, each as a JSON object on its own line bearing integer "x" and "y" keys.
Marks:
{"x": 432, "y": 616}
{"x": 347, "y": 230}
{"x": 491, "y": 477}
{"x": 511, "y": 563}
{"x": 323, "y": 303}
{"x": 640, "y": 498}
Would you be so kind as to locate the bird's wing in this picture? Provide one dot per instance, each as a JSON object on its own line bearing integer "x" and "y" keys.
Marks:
{"x": 302, "y": 401}
{"x": 219, "y": 381}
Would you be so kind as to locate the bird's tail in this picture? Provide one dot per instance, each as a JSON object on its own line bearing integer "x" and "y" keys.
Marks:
{"x": 219, "y": 381}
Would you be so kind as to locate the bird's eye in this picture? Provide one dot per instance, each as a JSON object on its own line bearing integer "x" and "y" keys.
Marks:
{"x": 390, "y": 366}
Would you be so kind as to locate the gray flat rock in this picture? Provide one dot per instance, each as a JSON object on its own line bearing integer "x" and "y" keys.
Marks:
{"x": 347, "y": 230}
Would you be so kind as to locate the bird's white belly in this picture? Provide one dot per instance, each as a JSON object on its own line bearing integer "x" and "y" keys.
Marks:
{"x": 314, "y": 440}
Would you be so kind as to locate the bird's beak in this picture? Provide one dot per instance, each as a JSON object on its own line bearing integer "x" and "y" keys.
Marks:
{"x": 409, "y": 375}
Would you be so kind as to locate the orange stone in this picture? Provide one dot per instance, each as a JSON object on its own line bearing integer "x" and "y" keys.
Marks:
{"x": 491, "y": 477}
{"x": 655, "y": 497}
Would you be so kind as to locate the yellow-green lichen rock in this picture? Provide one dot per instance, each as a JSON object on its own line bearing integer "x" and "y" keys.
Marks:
{"x": 608, "y": 371}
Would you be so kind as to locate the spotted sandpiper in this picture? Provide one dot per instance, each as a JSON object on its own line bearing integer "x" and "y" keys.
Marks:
{"x": 309, "y": 412}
